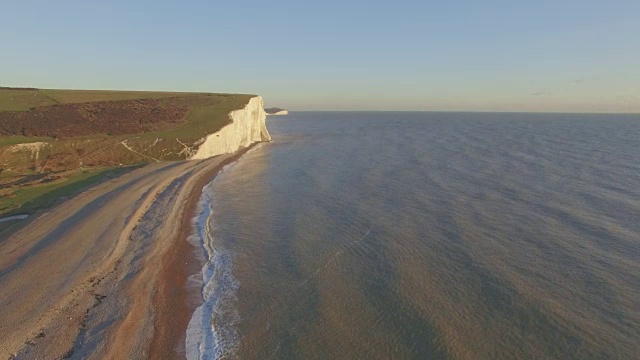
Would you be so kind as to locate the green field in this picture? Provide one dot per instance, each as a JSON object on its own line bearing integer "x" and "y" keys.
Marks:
{"x": 27, "y": 200}
{"x": 30, "y": 199}
{"x": 23, "y": 100}
{"x": 26, "y": 99}
{"x": 82, "y": 96}
{"x": 205, "y": 119}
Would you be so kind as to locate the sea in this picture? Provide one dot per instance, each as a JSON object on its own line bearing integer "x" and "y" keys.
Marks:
{"x": 425, "y": 235}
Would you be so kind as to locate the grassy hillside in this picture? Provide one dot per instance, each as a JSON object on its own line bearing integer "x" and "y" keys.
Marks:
{"x": 24, "y": 99}
{"x": 51, "y": 139}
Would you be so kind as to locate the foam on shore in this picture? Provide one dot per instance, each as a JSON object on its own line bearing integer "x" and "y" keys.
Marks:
{"x": 212, "y": 332}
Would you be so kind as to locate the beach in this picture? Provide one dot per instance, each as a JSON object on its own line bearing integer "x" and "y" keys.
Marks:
{"x": 103, "y": 275}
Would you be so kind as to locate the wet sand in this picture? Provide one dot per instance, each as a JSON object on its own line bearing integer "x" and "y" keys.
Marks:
{"x": 176, "y": 301}
{"x": 103, "y": 274}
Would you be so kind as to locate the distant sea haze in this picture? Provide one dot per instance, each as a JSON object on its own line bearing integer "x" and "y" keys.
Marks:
{"x": 427, "y": 236}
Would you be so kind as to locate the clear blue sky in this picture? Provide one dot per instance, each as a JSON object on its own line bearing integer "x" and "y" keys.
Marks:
{"x": 390, "y": 55}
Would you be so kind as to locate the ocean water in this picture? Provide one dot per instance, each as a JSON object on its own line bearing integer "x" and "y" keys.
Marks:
{"x": 425, "y": 236}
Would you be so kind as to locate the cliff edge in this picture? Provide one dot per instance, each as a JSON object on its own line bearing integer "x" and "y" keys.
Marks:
{"x": 55, "y": 142}
{"x": 247, "y": 126}
{"x": 276, "y": 111}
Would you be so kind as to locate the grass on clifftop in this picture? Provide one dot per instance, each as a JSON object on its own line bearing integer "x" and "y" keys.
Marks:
{"x": 83, "y": 96}
{"x": 204, "y": 120}
{"x": 23, "y": 100}
{"x": 15, "y": 99}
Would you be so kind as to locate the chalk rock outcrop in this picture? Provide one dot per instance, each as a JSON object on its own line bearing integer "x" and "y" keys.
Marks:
{"x": 276, "y": 111}
{"x": 247, "y": 127}
{"x": 281, "y": 112}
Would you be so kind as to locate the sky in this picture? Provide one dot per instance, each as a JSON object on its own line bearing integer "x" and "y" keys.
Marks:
{"x": 562, "y": 55}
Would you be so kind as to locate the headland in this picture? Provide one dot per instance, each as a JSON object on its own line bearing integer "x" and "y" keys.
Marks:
{"x": 102, "y": 274}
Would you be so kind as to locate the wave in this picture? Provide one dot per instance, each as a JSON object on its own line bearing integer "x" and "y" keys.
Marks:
{"x": 212, "y": 333}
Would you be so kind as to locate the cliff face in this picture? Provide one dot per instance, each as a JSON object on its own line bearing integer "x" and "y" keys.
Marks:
{"x": 247, "y": 127}
{"x": 276, "y": 111}
{"x": 280, "y": 112}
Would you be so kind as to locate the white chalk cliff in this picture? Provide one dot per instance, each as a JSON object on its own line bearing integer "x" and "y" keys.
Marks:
{"x": 247, "y": 126}
{"x": 281, "y": 112}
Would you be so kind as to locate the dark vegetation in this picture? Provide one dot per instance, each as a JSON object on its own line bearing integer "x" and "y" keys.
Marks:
{"x": 106, "y": 117}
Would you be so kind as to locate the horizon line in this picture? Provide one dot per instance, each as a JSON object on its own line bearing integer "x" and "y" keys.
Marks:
{"x": 481, "y": 111}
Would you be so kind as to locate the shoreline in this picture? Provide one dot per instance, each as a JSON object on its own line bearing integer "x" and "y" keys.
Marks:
{"x": 121, "y": 264}
{"x": 179, "y": 263}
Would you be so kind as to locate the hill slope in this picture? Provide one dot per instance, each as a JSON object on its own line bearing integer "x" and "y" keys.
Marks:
{"x": 54, "y": 136}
